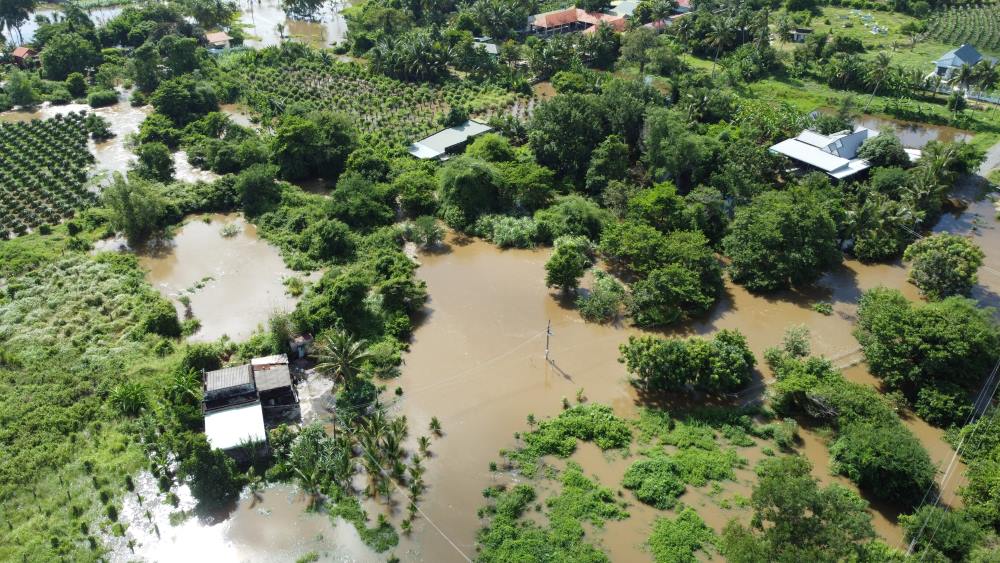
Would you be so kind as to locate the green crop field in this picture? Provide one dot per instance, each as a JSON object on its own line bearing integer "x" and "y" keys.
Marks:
{"x": 43, "y": 172}
{"x": 387, "y": 109}
{"x": 977, "y": 25}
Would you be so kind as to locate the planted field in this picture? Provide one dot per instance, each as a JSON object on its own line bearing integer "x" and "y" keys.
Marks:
{"x": 383, "y": 108}
{"x": 43, "y": 171}
{"x": 977, "y": 25}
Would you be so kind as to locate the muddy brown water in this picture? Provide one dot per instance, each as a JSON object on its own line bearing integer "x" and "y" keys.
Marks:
{"x": 234, "y": 283}
{"x": 260, "y": 19}
{"x": 915, "y": 135}
{"x": 477, "y": 363}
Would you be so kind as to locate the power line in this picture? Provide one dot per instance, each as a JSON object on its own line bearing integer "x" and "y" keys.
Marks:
{"x": 991, "y": 380}
{"x": 400, "y": 490}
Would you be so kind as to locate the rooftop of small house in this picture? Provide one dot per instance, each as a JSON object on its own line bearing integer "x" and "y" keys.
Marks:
{"x": 229, "y": 427}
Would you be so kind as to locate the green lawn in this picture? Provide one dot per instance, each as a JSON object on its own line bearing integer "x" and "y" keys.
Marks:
{"x": 904, "y": 53}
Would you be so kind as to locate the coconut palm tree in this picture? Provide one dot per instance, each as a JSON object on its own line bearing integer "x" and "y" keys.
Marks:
{"x": 340, "y": 357}
{"x": 964, "y": 76}
{"x": 876, "y": 73}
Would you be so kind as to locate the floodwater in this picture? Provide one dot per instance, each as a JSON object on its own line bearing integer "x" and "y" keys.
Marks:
{"x": 114, "y": 154}
{"x": 915, "y": 135}
{"x": 273, "y": 525}
{"x": 234, "y": 283}
{"x": 477, "y": 363}
{"x": 262, "y": 19}
{"x": 99, "y": 16}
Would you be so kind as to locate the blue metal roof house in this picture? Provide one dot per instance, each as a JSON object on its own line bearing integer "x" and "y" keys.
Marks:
{"x": 953, "y": 60}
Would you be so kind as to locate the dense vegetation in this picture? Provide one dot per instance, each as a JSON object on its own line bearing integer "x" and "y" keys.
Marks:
{"x": 649, "y": 165}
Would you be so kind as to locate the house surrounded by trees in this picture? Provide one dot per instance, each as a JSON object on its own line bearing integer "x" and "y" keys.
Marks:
{"x": 948, "y": 65}
{"x": 834, "y": 154}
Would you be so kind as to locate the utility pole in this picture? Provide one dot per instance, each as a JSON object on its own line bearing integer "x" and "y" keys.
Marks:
{"x": 548, "y": 333}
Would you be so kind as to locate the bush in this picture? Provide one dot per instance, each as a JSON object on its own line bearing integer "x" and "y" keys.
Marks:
{"x": 160, "y": 318}
{"x": 656, "y": 482}
{"x": 506, "y": 231}
{"x": 675, "y": 541}
{"x": 721, "y": 364}
{"x": 571, "y": 215}
{"x": 944, "y": 265}
{"x": 604, "y": 300}
{"x": 884, "y": 459}
{"x": 102, "y": 98}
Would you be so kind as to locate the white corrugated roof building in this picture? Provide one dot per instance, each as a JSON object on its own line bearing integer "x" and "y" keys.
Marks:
{"x": 230, "y": 427}
{"x": 834, "y": 154}
{"x": 439, "y": 144}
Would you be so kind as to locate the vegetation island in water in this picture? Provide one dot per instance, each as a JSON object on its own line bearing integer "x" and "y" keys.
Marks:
{"x": 669, "y": 171}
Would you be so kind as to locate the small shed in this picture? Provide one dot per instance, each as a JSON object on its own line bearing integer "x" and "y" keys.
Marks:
{"x": 799, "y": 34}
{"x": 218, "y": 39}
{"x": 23, "y": 55}
{"x": 448, "y": 141}
{"x": 228, "y": 386}
{"x": 229, "y": 428}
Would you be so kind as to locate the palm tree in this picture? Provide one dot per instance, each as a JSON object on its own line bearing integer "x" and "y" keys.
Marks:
{"x": 878, "y": 69}
{"x": 435, "y": 426}
{"x": 340, "y": 357}
{"x": 424, "y": 444}
{"x": 964, "y": 76}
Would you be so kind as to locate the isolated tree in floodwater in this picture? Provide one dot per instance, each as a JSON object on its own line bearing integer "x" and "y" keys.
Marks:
{"x": 340, "y": 357}
{"x": 944, "y": 265}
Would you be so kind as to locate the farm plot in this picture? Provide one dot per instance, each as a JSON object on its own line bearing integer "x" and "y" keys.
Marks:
{"x": 43, "y": 172}
{"x": 975, "y": 24}
{"x": 384, "y": 109}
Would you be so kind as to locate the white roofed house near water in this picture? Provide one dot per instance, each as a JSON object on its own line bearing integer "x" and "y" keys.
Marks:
{"x": 834, "y": 154}
{"x": 448, "y": 141}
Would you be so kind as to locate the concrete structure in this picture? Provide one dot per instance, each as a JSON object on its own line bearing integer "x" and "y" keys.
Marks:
{"x": 947, "y": 66}
{"x": 228, "y": 386}
{"x": 229, "y": 428}
{"x": 218, "y": 39}
{"x": 799, "y": 34}
{"x": 448, "y": 141}
{"x": 834, "y": 154}
{"x": 489, "y": 47}
{"x": 625, "y": 8}
{"x": 240, "y": 402}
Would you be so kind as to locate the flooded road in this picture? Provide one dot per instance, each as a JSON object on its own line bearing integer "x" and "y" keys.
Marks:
{"x": 234, "y": 283}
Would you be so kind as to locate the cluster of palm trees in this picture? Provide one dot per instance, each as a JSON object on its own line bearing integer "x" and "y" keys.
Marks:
{"x": 376, "y": 438}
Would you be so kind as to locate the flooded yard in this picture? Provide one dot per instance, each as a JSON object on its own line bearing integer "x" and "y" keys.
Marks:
{"x": 113, "y": 155}
{"x": 234, "y": 283}
{"x": 915, "y": 135}
{"x": 272, "y": 525}
{"x": 265, "y": 24}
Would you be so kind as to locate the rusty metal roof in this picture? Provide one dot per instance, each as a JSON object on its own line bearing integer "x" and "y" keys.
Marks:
{"x": 228, "y": 377}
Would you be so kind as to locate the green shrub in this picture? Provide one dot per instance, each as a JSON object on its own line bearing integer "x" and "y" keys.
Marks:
{"x": 102, "y": 98}
{"x": 656, "y": 481}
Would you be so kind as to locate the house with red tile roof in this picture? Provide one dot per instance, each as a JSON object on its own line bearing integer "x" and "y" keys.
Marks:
{"x": 23, "y": 55}
{"x": 572, "y": 19}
